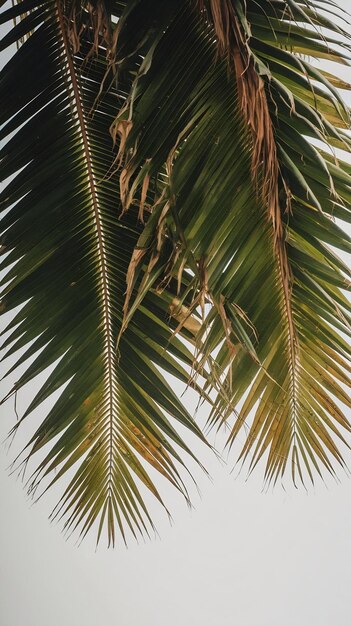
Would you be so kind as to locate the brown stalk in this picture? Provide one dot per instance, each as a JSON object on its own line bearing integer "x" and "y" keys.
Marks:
{"x": 233, "y": 44}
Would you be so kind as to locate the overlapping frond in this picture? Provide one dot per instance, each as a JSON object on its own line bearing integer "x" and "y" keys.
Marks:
{"x": 254, "y": 198}
{"x": 68, "y": 252}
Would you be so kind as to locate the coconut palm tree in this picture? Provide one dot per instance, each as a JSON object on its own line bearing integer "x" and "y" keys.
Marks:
{"x": 173, "y": 208}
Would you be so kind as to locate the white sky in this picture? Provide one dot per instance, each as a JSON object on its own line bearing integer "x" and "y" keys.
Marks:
{"x": 242, "y": 558}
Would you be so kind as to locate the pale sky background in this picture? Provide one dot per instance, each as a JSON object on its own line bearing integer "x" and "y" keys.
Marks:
{"x": 241, "y": 558}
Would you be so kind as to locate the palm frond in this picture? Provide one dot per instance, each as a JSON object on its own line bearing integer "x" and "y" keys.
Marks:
{"x": 264, "y": 254}
{"x": 67, "y": 254}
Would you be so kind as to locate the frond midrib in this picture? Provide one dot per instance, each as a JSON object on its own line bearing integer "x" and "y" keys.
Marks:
{"x": 110, "y": 383}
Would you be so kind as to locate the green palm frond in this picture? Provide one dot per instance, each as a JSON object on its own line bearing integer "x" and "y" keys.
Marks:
{"x": 68, "y": 252}
{"x": 172, "y": 205}
{"x": 255, "y": 198}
